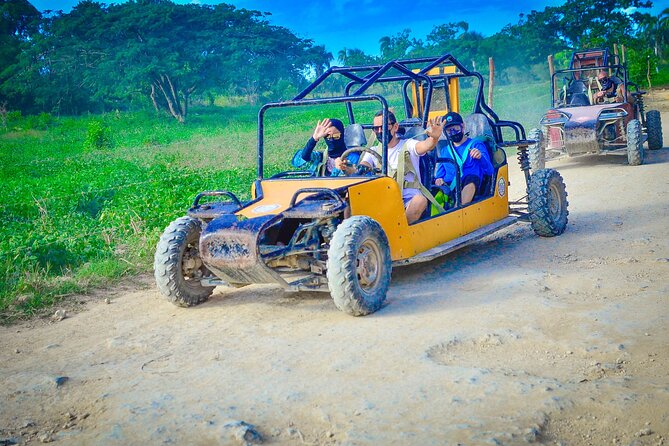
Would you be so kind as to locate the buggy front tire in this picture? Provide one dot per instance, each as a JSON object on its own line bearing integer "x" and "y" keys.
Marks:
{"x": 178, "y": 267}
{"x": 654, "y": 126}
{"x": 547, "y": 203}
{"x": 359, "y": 266}
{"x": 537, "y": 151}
{"x": 635, "y": 153}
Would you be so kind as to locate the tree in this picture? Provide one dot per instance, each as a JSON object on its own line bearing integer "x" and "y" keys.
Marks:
{"x": 654, "y": 30}
{"x": 442, "y": 35}
{"x": 597, "y": 22}
{"x": 19, "y": 21}
{"x": 355, "y": 57}
{"x": 177, "y": 50}
{"x": 398, "y": 46}
{"x": 318, "y": 59}
{"x": 99, "y": 57}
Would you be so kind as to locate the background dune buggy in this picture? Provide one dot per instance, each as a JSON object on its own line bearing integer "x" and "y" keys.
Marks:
{"x": 579, "y": 124}
{"x": 295, "y": 232}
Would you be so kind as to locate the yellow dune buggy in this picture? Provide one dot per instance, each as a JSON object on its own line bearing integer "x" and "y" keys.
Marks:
{"x": 343, "y": 235}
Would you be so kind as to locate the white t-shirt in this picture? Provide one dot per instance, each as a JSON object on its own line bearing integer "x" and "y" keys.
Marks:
{"x": 393, "y": 155}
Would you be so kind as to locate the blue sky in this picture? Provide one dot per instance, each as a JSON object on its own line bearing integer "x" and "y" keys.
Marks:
{"x": 360, "y": 24}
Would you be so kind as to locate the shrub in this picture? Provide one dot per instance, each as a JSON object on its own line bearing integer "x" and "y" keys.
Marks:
{"x": 13, "y": 118}
{"x": 39, "y": 122}
{"x": 98, "y": 136}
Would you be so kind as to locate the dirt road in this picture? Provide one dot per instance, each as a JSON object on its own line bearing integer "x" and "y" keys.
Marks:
{"x": 514, "y": 340}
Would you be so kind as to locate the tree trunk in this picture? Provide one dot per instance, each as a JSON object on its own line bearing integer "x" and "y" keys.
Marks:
{"x": 166, "y": 87}
{"x": 153, "y": 97}
{"x": 491, "y": 82}
{"x": 184, "y": 107}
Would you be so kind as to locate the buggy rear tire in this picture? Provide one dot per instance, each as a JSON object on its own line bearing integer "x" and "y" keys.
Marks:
{"x": 359, "y": 266}
{"x": 537, "y": 151}
{"x": 177, "y": 264}
{"x": 547, "y": 203}
{"x": 634, "y": 145}
{"x": 654, "y": 127}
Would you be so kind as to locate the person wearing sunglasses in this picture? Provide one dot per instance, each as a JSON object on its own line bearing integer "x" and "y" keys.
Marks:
{"x": 471, "y": 156}
{"x": 332, "y": 132}
{"x": 612, "y": 87}
{"x": 415, "y": 202}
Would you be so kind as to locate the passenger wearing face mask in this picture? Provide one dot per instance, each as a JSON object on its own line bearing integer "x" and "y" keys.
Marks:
{"x": 470, "y": 155}
{"x": 332, "y": 132}
{"x": 612, "y": 87}
{"x": 414, "y": 200}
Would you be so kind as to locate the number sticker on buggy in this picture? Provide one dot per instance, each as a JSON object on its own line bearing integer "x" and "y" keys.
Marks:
{"x": 501, "y": 187}
{"x": 265, "y": 208}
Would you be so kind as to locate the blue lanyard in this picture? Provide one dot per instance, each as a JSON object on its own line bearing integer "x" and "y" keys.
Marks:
{"x": 459, "y": 160}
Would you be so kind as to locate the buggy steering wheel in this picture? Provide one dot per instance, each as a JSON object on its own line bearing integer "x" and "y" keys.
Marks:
{"x": 361, "y": 150}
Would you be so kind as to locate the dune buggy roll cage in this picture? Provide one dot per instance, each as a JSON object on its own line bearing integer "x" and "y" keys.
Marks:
{"x": 617, "y": 69}
{"x": 418, "y": 71}
{"x": 578, "y": 58}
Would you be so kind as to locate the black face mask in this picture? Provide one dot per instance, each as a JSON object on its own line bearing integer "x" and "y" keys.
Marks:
{"x": 335, "y": 147}
{"x": 457, "y": 137}
{"x": 606, "y": 83}
{"x": 379, "y": 136}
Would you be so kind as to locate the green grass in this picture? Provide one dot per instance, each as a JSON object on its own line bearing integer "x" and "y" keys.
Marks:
{"x": 77, "y": 212}
{"x": 84, "y": 200}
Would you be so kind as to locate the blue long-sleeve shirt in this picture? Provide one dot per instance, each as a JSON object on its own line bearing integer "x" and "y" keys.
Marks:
{"x": 470, "y": 166}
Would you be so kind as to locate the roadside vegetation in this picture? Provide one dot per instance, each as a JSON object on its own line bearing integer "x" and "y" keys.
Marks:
{"x": 84, "y": 199}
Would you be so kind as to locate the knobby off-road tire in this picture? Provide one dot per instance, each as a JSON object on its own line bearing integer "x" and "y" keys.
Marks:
{"x": 537, "y": 151}
{"x": 359, "y": 266}
{"x": 177, "y": 264}
{"x": 634, "y": 145}
{"x": 547, "y": 203}
{"x": 654, "y": 126}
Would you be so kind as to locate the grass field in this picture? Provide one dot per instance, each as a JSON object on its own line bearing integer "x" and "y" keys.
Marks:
{"x": 84, "y": 200}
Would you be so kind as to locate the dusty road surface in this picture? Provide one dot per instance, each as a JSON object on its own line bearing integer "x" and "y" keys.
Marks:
{"x": 514, "y": 340}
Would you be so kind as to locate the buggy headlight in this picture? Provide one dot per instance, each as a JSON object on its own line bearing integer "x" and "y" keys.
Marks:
{"x": 612, "y": 114}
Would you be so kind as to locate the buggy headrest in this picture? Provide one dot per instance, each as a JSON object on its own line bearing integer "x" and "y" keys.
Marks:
{"x": 578, "y": 86}
{"x": 477, "y": 124}
{"x": 354, "y": 136}
{"x": 412, "y": 128}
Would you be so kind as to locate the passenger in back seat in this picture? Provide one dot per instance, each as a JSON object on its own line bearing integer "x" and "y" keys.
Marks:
{"x": 471, "y": 155}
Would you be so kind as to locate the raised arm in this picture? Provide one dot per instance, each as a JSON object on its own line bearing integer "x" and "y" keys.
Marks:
{"x": 433, "y": 131}
{"x": 319, "y": 132}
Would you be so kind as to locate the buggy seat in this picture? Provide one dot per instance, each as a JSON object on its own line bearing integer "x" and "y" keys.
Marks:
{"x": 354, "y": 136}
{"x": 577, "y": 93}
